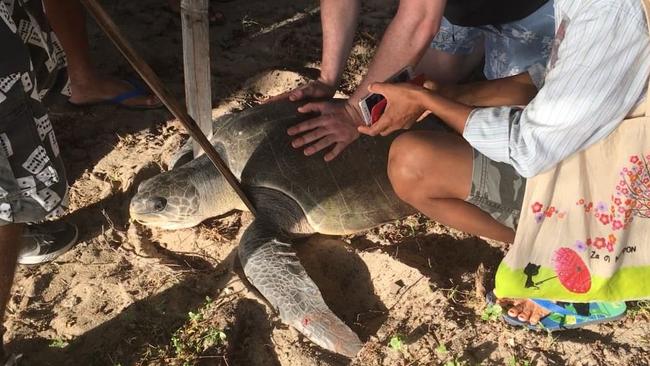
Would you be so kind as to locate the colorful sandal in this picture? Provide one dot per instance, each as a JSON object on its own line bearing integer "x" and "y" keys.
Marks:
{"x": 568, "y": 315}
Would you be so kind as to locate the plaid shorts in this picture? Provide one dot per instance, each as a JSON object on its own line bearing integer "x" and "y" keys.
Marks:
{"x": 497, "y": 189}
{"x": 32, "y": 178}
{"x": 510, "y": 48}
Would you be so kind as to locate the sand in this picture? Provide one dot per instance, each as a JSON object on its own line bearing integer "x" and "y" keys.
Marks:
{"x": 130, "y": 295}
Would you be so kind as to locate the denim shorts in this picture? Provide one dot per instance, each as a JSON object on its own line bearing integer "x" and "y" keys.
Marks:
{"x": 510, "y": 48}
{"x": 497, "y": 189}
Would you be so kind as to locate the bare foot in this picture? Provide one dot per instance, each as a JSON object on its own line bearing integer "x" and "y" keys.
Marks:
{"x": 216, "y": 17}
{"x": 524, "y": 309}
{"x": 101, "y": 88}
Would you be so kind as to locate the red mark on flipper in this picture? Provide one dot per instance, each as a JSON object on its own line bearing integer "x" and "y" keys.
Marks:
{"x": 306, "y": 322}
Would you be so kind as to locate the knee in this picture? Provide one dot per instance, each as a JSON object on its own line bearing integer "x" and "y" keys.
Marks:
{"x": 409, "y": 168}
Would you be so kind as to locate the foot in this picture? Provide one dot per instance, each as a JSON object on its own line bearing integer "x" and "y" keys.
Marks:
{"x": 46, "y": 241}
{"x": 101, "y": 88}
{"x": 524, "y": 309}
{"x": 214, "y": 16}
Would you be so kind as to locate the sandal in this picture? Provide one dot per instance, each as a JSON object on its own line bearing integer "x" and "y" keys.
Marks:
{"x": 566, "y": 315}
{"x": 118, "y": 100}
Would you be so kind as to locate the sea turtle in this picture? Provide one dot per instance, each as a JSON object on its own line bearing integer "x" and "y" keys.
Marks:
{"x": 294, "y": 196}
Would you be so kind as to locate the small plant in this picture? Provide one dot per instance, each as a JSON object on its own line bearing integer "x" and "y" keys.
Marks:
{"x": 214, "y": 337}
{"x": 396, "y": 342}
{"x": 59, "y": 343}
{"x": 195, "y": 317}
{"x": 441, "y": 349}
{"x": 492, "y": 312}
{"x": 455, "y": 362}
{"x": 514, "y": 362}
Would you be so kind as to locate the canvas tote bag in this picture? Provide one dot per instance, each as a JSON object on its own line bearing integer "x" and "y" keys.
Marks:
{"x": 584, "y": 230}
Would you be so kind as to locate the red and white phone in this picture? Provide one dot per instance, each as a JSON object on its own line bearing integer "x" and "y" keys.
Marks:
{"x": 373, "y": 105}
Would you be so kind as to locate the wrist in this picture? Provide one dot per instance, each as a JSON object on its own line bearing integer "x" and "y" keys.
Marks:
{"x": 354, "y": 112}
{"x": 329, "y": 79}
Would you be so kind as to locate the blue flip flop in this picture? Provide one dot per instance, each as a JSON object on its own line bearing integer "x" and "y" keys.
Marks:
{"x": 137, "y": 91}
{"x": 567, "y": 316}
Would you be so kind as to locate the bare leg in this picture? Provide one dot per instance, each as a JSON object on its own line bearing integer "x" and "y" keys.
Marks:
{"x": 87, "y": 84}
{"x": 448, "y": 68}
{"x": 432, "y": 172}
{"x": 10, "y": 237}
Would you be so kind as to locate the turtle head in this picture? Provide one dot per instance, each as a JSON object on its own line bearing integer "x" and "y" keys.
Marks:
{"x": 170, "y": 200}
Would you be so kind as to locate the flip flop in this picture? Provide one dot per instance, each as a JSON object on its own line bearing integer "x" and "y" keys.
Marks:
{"x": 137, "y": 91}
{"x": 565, "y": 316}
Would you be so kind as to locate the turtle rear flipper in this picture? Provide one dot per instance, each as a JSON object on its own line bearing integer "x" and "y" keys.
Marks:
{"x": 271, "y": 265}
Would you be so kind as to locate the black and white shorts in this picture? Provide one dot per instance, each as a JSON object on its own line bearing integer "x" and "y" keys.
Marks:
{"x": 33, "y": 186}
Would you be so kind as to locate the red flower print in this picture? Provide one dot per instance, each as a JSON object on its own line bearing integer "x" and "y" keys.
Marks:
{"x": 589, "y": 242}
{"x": 617, "y": 201}
{"x": 600, "y": 243}
{"x": 610, "y": 247}
{"x": 537, "y": 207}
{"x": 634, "y": 159}
{"x": 617, "y": 224}
{"x": 604, "y": 219}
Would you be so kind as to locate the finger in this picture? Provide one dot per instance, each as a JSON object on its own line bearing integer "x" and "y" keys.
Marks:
{"x": 378, "y": 88}
{"x": 423, "y": 116}
{"x": 319, "y": 145}
{"x": 380, "y": 126}
{"x": 276, "y": 98}
{"x": 307, "y": 125}
{"x": 389, "y": 130}
{"x": 297, "y": 95}
{"x": 314, "y": 107}
{"x": 517, "y": 308}
{"x": 336, "y": 150}
{"x": 309, "y": 137}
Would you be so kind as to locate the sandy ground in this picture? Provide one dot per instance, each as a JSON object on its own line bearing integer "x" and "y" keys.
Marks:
{"x": 129, "y": 295}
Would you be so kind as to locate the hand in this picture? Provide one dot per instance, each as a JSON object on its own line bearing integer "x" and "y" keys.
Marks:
{"x": 335, "y": 126}
{"x": 403, "y": 109}
{"x": 314, "y": 89}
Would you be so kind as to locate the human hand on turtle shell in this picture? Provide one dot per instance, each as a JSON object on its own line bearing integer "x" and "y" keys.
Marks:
{"x": 405, "y": 107}
{"x": 313, "y": 90}
{"x": 335, "y": 127}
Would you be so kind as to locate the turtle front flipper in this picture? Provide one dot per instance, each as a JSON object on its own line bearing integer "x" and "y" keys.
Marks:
{"x": 271, "y": 265}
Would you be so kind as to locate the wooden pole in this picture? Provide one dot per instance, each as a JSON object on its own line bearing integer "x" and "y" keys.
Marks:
{"x": 196, "y": 64}
{"x": 112, "y": 31}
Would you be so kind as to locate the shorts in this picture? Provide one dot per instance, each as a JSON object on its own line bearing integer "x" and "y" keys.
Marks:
{"x": 497, "y": 189}
{"x": 510, "y": 48}
{"x": 32, "y": 177}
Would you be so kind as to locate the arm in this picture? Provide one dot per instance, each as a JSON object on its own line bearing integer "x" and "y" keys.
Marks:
{"x": 404, "y": 42}
{"x": 513, "y": 90}
{"x": 339, "y": 22}
{"x": 407, "y": 103}
{"x": 601, "y": 71}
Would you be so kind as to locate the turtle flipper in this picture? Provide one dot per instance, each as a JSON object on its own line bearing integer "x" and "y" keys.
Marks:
{"x": 183, "y": 156}
{"x": 272, "y": 266}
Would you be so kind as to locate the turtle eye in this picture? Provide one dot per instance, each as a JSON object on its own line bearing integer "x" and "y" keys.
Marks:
{"x": 158, "y": 204}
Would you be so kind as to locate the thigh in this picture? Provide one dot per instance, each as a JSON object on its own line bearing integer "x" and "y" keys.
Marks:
{"x": 516, "y": 47}
{"x": 454, "y": 53}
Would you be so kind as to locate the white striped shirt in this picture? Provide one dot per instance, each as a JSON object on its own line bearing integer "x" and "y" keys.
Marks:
{"x": 596, "y": 76}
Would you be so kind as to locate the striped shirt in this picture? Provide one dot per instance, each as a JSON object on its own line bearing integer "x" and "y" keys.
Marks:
{"x": 597, "y": 73}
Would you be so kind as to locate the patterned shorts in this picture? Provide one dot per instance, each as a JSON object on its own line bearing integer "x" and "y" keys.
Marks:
{"x": 32, "y": 178}
{"x": 497, "y": 189}
{"x": 510, "y": 48}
